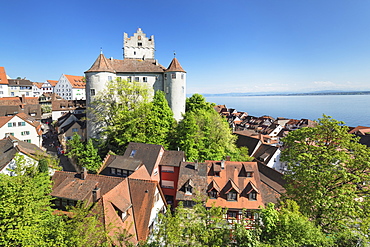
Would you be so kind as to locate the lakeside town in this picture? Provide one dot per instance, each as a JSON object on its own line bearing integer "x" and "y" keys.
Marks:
{"x": 135, "y": 183}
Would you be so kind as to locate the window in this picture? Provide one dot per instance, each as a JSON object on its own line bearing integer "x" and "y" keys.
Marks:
{"x": 12, "y": 94}
{"x": 9, "y": 134}
{"x": 213, "y": 194}
{"x": 157, "y": 197}
{"x": 129, "y": 79}
{"x": 137, "y": 79}
{"x": 232, "y": 196}
{"x": 75, "y": 130}
{"x": 27, "y": 140}
{"x": 27, "y": 94}
{"x": 217, "y": 173}
{"x": 109, "y": 78}
{"x": 182, "y": 76}
{"x": 10, "y": 125}
{"x": 232, "y": 214}
{"x": 253, "y": 196}
{"x": 21, "y": 124}
{"x": 92, "y": 92}
{"x": 113, "y": 170}
{"x": 188, "y": 189}
{"x": 249, "y": 174}
{"x": 25, "y": 133}
{"x": 1, "y": 92}
{"x": 119, "y": 172}
{"x": 139, "y": 44}
{"x": 145, "y": 79}
{"x": 167, "y": 184}
{"x": 173, "y": 76}
{"x": 132, "y": 154}
{"x": 168, "y": 169}
{"x": 165, "y": 76}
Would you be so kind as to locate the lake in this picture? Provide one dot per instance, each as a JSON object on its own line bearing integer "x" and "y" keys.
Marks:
{"x": 354, "y": 110}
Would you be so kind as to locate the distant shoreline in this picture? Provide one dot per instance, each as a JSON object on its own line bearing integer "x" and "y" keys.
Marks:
{"x": 286, "y": 94}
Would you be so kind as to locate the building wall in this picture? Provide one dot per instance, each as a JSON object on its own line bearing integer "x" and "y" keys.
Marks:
{"x": 138, "y": 46}
{"x": 175, "y": 83}
{"x": 4, "y": 91}
{"x": 12, "y": 165}
{"x": 64, "y": 88}
{"x": 78, "y": 94}
{"x": 170, "y": 176}
{"x": 19, "y": 131}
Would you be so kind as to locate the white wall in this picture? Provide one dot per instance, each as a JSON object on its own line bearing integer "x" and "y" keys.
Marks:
{"x": 63, "y": 88}
{"x": 18, "y": 129}
{"x": 4, "y": 91}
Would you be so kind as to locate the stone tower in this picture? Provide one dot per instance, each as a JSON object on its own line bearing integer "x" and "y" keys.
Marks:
{"x": 138, "y": 46}
{"x": 174, "y": 85}
{"x": 139, "y": 65}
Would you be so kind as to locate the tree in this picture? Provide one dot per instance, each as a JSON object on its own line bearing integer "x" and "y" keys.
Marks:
{"x": 288, "y": 227}
{"x": 205, "y": 135}
{"x": 83, "y": 155}
{"x": 328, "y": 176}
{"x": 24, "y": 206}
{"x": 159, "y": 121}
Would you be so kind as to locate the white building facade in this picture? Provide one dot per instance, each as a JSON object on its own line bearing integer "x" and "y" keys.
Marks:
{"x": 139, "y": 64}
{"x": 71, "y": 87}
{"x": 22, "y": 128}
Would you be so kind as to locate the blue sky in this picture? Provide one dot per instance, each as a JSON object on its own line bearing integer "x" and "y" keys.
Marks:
{"x": 225, "y": 46}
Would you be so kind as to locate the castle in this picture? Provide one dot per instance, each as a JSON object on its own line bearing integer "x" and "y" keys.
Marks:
{"x": 138, "y": 64}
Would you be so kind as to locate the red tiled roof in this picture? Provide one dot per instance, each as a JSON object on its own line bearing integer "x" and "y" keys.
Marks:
{"x": 76, "y": 81}
{"x": 52, "y": 82}
{"x": 3, "y": 78}
{"x": 175, "y": 66}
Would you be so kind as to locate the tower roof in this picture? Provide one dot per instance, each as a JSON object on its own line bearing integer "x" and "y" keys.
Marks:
{"x": 3, "y": 77}
{"x": 101, "y": 64}
{"x": 175, "y": 66}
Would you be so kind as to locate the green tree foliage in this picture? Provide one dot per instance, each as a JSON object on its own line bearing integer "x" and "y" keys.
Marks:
{"x": 205, "y": 135}
{"x": 288, "y": 227}
{"x": 159, "y": 121}
{"x": 128, "y": 115}
{"x": 83, "y": 155}
{"x": 24, "y": 206}
{"x": 329, "y": 175}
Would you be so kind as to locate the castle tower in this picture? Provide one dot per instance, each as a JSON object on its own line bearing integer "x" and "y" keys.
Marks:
{"x": 138, "y": 46}
{"x": 174, "y": 88}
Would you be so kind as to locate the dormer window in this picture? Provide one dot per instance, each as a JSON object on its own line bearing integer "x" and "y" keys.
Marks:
{"x": 232, "y": 195}
{"x": 253, "y": 196}
{"x": 249, "y": 174}
{"x": 188, "y": 190}
{"x": 217, "y": 173}
{"x": 213, "y": 194}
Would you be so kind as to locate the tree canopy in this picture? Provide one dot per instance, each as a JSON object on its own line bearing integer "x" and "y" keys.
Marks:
{"x": 131, "y": 114}
{"x": 329, "y": 174}
{"x": 204, "y": 135}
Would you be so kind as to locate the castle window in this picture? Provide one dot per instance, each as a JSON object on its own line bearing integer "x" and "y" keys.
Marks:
{"x": 139, "y": 44}
{"x": 134, "y": 52}
{"x": 109, "y": 78}
{"x": 139, "y": 37}
{"x": 165, "y": 76}
{"x": 129, "y": 79}
{"x": 145, "y": 79}
{"x": 182, "y": 76}
{"x": 137, "y": 79}
{"x": 173, "y": 76}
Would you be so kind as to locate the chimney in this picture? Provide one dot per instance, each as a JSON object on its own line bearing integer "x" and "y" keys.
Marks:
{"x": 15, "y": 143}
{"x": 23, "y": 99}
{"x": 84, "y": 173}
{"x": 96, "y": 194}
{"x": 222, "y": 164}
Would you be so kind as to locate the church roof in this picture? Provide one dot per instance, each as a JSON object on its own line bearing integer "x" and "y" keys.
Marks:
{"x": 175, "y": 66}
{"x": 101, "y": 64}
{"x": 76, "y": 81}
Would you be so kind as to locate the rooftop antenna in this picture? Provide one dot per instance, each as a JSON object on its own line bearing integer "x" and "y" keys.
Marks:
{"x": 174, "y": 53}
{"x": 101, "y": 50}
